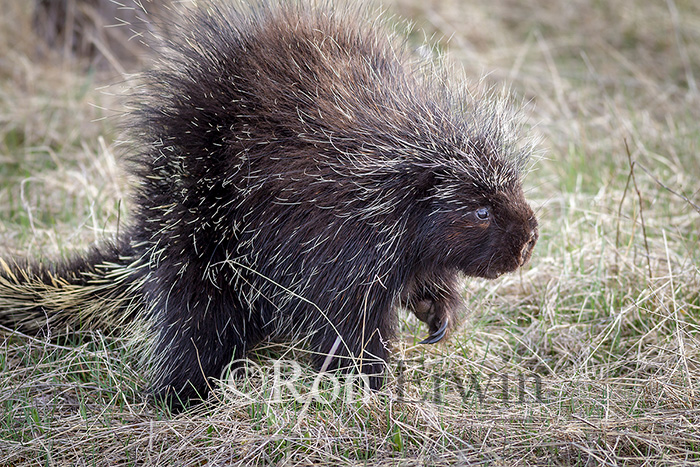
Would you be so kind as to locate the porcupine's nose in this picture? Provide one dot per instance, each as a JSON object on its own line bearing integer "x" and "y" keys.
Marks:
{"x": 526, "y": 252}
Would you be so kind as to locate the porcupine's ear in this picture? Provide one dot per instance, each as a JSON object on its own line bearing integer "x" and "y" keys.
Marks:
{"x": 423, "y": 178}
{"x": 427, "y": 178}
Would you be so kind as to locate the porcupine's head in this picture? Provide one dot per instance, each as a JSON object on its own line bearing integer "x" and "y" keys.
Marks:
{"x": 476, "y": 219}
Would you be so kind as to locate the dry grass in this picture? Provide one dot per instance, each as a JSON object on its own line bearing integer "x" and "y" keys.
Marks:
{"x": 607, "y": 316}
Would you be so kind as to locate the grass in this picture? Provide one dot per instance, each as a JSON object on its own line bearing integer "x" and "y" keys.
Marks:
{"x": 591, "y": 355}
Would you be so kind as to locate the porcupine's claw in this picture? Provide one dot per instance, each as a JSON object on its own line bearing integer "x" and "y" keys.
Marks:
{"x": 437, "y": 335}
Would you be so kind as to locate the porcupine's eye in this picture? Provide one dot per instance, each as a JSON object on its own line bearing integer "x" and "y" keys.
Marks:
{"x": 483, "y": 214}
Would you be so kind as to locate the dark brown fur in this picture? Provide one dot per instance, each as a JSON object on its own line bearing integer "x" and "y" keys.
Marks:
{"x": 305, "y": 177}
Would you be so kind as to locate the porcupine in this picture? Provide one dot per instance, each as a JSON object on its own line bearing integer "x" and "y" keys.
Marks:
{"x": 305, "y": 175}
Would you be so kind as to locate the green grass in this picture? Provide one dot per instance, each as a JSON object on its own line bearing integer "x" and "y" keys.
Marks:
{"x": 603, "y": 325}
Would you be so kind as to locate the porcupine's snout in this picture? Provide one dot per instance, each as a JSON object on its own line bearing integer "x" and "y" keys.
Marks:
{"x": 526, "y": 252}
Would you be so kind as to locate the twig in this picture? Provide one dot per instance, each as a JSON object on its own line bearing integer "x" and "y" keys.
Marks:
{"x": 683, "y": 197}
{"x": 619, "y": 208}
{"x": 641, "y": 207}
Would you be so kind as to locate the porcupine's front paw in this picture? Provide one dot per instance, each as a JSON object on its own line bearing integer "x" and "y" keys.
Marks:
{"x": 435, "y": 316}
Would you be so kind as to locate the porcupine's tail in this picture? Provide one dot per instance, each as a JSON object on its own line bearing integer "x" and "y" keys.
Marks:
{"x": 100, "y": 290}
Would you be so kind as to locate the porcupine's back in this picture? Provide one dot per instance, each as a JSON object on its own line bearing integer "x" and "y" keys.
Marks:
{"x": 258, "y": 117}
